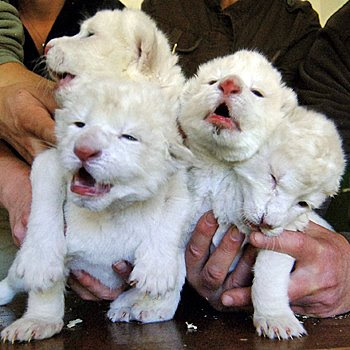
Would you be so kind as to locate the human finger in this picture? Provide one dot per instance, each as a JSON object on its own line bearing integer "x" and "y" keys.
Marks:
{"x": 94, "y": 287}
{"x": 237, "y": 297}
{"x": 41, "y": 89}
{"x": 197, "y": 250}
{"x": 20, "y": 229}
{"x": 296, "y": 244}
{"x": 242, "y": 275}
{"x": 80, "y": 290}
{"x": 123, "y": 269}
{"x": 216, "y": 268}
{"x": 38, "y": 123}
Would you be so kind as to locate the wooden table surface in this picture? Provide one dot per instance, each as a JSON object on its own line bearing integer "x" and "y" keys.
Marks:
{"x": 214, "y": 330}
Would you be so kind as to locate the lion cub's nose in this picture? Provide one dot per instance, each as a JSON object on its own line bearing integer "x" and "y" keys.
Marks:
{"x": 229, "y": 87}
{"x": 85, "y": 153}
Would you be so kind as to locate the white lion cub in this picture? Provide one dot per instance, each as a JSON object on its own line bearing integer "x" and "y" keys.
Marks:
{"x": 227, "y": 112}
{"x": 124, "y": 44}
{"x": 293, "y": 173}
{"x": 262, "y": 162}
{"x": 118, "y": 168}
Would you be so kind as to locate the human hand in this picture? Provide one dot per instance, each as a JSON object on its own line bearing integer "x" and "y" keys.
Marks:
{"x": 208, "y": 273}
{"x": 320, "y": 282}
{"x": 15, "y": 191}
{"x": 89, "y": 288}
{"x": 26, "y": 107}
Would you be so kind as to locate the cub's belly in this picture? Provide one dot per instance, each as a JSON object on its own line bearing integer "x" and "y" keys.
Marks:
{"x": 95, "y": 251}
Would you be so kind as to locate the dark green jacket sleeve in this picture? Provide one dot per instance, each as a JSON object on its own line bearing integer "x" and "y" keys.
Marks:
{"x": 11, "y": 34}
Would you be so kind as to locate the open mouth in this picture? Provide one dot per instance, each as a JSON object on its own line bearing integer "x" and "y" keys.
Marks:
{"x": 85, "y": 185}
{"x": 221, "y": 119}
{"x": 62, "y": 78}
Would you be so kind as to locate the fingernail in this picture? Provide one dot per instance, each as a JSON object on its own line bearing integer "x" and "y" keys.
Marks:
{"x": 210, "y": 219}
{"x": 236, "y": 235}
{"x": 227, "y": 300}
{"x": 120, "y": 266}
{"x": 258, "y": 237}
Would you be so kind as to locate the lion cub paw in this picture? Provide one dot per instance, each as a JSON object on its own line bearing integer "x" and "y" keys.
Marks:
{"x": 26, "y": 329}
{"x": 283, "y": 326}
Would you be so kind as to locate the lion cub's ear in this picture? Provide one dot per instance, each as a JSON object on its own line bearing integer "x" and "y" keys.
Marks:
{"x": 151, "y": 46}
{"x": 147, "y": 48}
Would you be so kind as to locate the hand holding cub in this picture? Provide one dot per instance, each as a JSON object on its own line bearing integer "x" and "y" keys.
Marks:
{"x": 317, "y": 284}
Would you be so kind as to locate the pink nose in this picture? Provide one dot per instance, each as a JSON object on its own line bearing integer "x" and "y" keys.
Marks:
{"x": 229, "y": 87}
{"x": 84, "y": 153}
{"x": 47, "y": 49}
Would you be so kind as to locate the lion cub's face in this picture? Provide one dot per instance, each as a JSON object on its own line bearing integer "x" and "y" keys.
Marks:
{"x": 116, "y": 142}
{"x": 293, "y": 173}
{"x": 122, "y": 44}
{"x": 233, "y": 104}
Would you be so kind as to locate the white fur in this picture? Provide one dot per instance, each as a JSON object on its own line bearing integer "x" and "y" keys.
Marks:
{"x": 124, "y": 44}
{"x": 255, "y": 117}
{"x": 218, "y": 150}
{"x": 292, "y": 174}
{"x": 136, "y": 209}
{"x": 281, "y": 162}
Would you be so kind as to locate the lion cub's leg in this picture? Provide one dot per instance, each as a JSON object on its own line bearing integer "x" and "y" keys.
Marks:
{"x": 43, "y": 318}
{"x": 273, "y": 316}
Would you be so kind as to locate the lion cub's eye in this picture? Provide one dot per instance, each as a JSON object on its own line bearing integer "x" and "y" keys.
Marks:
{"x": 79, "y": 124}
{"x": 303, "y": 204}
{"x": 89, "y": 34}
{"x": 212, "y": 82}
{"x": 257, "y": 92}
{"x": 274, "y": 181}
{"x": 129, "y": 137}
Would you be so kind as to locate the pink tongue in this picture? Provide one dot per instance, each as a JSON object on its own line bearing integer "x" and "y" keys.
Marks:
{"x": 221, "y": 122}
{"x": 84, "y": 184}
{"x": 65, "y": 80}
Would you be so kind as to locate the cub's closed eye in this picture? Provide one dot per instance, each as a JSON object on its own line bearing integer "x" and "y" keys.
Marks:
{"x": 274, "y": 181}
{"x": 129, "y": 137}
{"x": 257, "y": 93}
{"x": 212, "y": 82}
{"x": 303, "y": 204}
{"x": 79, "y": 124}
{"x": 89, "y": 34}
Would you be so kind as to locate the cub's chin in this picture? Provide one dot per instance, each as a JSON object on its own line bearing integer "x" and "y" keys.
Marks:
{"x": 93, "y": 203}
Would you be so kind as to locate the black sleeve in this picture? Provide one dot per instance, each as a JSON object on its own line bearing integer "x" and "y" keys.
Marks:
{"x": 303, "y": 31}
{"x": 325, "y": 74}
{"x": 92, "y": 7}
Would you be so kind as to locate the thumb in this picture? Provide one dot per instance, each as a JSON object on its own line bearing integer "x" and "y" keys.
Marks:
{"x": 39, "y": 124}
{"x": 236, "y": 297}
{"x": 289, "y": 242}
